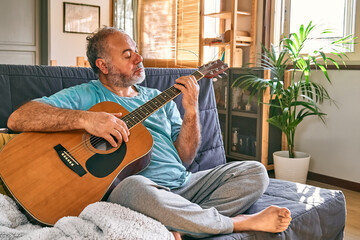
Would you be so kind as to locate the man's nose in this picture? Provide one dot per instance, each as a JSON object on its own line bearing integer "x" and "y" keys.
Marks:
{"x": 138, "y": 58}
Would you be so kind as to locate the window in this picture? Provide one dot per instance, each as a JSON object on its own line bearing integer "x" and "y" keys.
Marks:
{"x": 125, "y": 16}
{"x": 211, "y": 29}
{"x": 169, "y": 32}
{"x": 336, "y": 15}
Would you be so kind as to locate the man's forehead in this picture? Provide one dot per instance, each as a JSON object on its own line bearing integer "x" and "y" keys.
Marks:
{"x": 122, "y": 42}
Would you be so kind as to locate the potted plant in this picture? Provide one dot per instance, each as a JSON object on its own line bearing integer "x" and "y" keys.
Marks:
{"x": 298, "y": 98}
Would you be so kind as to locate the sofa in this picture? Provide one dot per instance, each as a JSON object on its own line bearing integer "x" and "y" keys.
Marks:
{"x": 317, "y": 213}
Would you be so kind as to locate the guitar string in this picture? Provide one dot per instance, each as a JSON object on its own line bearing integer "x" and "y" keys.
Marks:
{"x": 93, "y": 140}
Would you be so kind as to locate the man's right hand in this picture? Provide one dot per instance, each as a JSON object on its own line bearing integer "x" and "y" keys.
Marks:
{"x": 107, "y": 126}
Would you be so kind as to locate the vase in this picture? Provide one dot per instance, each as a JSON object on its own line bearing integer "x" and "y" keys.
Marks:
{"x": 291, "y": 169}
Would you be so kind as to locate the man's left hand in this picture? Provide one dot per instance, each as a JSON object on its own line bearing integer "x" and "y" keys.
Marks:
{"x": 190, "y": 90}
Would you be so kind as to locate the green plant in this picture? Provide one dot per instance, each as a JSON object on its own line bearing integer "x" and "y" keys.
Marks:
{"x": 300, "y": 98}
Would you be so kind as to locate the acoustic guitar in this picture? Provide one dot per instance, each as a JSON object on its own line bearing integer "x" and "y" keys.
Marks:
{"x": 52, "y": 175}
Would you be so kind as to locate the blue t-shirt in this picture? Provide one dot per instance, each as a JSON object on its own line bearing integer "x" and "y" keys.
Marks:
{"x": 165, "y": 168}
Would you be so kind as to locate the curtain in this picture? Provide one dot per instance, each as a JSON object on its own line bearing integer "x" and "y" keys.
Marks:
{"x": 125, "y": 16}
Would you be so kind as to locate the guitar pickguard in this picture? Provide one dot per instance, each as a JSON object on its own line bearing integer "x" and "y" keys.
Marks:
{"x": 102, "y": 165}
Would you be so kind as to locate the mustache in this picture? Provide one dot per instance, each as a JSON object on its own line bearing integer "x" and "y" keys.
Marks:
{"x": 139, "y": 66}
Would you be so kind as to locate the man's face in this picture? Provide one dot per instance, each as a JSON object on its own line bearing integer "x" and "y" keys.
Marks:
{"x": 124, "y": 64}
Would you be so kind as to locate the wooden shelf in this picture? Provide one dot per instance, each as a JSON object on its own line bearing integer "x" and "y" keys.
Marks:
{"x": 226, "y": 14}
{"x": 244, "y": 114}
{"x": 222, "y": 111}
{"x": 224, "y": 44}
{"x": 237, "y": 22}
{"x": 243, "y": 13}
{"x": 236, "y": 155}
{"x": 243, "y": 44}
{"x": 222, "y": 15}
{"x": 216, "y": 44}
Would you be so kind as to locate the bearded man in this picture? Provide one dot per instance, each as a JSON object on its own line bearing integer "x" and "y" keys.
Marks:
{"x": 199, "y": 204}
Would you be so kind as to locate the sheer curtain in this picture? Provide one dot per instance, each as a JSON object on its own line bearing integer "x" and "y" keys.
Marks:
{"x": 125, "y": 16}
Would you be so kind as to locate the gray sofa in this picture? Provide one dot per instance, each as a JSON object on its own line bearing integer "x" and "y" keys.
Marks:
{"x": 317, "y": 213}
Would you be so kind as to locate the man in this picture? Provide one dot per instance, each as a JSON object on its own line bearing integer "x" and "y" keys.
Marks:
{"x": 199, "y": 204}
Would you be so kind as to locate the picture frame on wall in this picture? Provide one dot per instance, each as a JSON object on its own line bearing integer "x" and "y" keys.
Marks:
{"x": 81, "y": 18}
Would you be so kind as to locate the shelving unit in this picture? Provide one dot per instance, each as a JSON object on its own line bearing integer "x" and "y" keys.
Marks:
{"x": 246, "y": 133}
{"x": 237, "y": 28}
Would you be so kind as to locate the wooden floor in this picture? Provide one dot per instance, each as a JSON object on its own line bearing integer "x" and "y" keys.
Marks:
{"x": 352, "y": 226}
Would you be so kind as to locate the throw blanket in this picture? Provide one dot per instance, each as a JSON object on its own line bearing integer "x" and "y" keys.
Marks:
{"x": 101, "y": 220}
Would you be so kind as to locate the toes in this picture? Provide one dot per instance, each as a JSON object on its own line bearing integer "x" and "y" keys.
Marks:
{"x": 285, "y": 212}
{"x": 282, "y": 227}
{"x": 285, "y": 220}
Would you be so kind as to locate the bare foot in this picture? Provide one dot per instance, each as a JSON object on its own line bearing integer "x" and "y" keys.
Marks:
{"x": 272, "y": 219}
{"x": 177, "y": 235}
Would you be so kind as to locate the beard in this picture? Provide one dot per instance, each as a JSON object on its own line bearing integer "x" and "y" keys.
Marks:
{"x": 119, "y": 79}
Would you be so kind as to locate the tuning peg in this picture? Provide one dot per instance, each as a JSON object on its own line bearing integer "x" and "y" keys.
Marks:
{"x": 221, "y": 76}
{"x": 224, "y": 74}
{"x": 211, "y": 72}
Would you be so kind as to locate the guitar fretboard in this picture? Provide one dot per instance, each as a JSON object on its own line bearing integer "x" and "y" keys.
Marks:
{"x": 144, "y": 111}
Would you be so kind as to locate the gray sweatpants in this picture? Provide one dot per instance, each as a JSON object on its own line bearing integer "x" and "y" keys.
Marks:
{"x": 204, "y": 205}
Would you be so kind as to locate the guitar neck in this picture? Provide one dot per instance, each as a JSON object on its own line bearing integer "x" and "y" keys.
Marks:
{"x": 144, "y": 111}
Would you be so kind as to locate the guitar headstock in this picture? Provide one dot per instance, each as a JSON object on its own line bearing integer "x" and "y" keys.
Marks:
{"x": 213, "y": 69}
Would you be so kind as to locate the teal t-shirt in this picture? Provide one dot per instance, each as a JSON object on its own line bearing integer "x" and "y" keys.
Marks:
{"x": 165, "y": 168}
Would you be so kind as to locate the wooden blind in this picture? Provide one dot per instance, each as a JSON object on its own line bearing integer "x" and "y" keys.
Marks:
{"x": 169, "y": 32}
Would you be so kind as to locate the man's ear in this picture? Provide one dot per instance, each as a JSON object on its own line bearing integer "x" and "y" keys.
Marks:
{"x": 101, "y": 64}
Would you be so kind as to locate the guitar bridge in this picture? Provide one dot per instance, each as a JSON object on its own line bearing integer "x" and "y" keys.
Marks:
{"x": 69, "y": 160}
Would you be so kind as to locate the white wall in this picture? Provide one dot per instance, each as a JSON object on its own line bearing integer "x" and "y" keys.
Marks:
{"x": 65, "y": 47}
{"x": 335, "y": 147}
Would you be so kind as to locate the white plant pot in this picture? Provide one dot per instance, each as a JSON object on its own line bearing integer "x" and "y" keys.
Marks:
{"x": 291, "y": 169}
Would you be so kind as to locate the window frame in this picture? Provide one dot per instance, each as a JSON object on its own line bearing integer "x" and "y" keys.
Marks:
{"x": 348, "y": 28}
{"x": 277, "y": 25}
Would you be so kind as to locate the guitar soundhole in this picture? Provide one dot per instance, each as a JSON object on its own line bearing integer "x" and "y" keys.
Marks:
{"x": 100, "y": 143}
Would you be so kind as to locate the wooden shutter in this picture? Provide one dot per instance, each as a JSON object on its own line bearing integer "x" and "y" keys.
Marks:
{"x": 169, "y": 32}
{"x": 188, "y": 33}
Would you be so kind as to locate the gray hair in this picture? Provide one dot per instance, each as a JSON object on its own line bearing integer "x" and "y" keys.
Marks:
{"x": 96, "y": 45}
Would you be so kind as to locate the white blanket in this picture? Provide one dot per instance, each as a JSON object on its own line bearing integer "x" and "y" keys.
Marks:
{"x": 101, "y": 220}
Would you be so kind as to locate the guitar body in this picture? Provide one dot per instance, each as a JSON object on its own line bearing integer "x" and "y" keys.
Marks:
{"x": 48, "y": 188}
